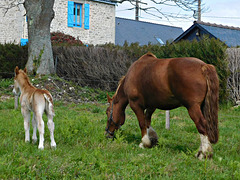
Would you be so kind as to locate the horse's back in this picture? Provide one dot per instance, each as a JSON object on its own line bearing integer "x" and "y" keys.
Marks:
{"x": 166, "y": 83}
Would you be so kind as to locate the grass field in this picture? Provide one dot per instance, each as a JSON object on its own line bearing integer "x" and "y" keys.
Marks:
{"x": 83, "y": 152}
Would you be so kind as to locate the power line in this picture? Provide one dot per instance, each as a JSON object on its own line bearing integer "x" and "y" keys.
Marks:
{"x": 222, "y": 17}
{"x": 218, "y": 17}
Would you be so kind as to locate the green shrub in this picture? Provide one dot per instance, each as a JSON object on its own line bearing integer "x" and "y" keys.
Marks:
{"x": 211, "y": 51}
{"x": 11, "y": 55}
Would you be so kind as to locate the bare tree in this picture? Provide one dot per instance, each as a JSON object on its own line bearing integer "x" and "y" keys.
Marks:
{"x": 186, "y": 5}
{"x": 39, "y": 17}
{"x": 234, "y": 78}
{"x": 40, "y": 14}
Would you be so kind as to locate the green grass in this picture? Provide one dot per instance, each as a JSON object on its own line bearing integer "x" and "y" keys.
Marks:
{"x": 83, "y": 152}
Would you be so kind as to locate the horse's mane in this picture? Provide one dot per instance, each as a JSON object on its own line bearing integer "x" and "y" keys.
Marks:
{"x": 150, "y": 54}
{"x": 120, "y": 82}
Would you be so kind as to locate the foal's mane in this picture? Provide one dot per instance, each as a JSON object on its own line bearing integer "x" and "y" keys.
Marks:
{"x": 25, "y": 77}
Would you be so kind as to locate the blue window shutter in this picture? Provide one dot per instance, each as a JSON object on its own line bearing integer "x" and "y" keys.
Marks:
{"x": 70, "y": 13}
{"x": 86, "y": 16}
{"x": 23, "y": 42}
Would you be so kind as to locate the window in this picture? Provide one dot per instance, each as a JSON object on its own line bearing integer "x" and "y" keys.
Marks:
{"x": 23, "y": 42}
{"x": 159, "y": 41}
{"x": 75, "y": 15}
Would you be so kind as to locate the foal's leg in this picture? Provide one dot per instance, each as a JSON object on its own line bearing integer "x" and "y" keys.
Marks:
{"x": 26, "y": 115}
{"x": 150, "y": 131}
{"x": 34, "y": 124}
{"x": 205, "y": 149}
{"x": 146, "y": 142}
{"x": 51, "y": 128}
{"x": 40, "y": 122}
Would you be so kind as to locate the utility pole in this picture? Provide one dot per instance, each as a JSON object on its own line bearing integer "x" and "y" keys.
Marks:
{"x": 137, "y": 11}
{"x": 199, "y": 10}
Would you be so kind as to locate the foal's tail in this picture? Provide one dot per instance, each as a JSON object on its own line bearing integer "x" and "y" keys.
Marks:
{"x": 49, "y": 100}
{"x": 210, "y": 104}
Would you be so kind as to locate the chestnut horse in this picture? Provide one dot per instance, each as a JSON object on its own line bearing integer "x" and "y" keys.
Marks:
{"x": 38, "y": 101}
{"x": 166, "y": 84}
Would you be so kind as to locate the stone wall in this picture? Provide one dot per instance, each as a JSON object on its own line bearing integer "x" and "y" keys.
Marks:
{"x": 102, "y": 23}
{"x": 11, "y": 23}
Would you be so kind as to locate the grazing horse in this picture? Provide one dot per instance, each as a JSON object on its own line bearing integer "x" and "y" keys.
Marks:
{"x": 38, "y": 101}
{"x": 152, "y": 83}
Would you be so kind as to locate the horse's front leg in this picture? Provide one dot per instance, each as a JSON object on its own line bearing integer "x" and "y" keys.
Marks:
{"x": 26, "y": 115}
{"x": 150, "y": 131}
{"x": 139, "y": 111}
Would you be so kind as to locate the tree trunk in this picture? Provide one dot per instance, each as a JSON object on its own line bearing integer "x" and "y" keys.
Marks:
{"x": 39, "y": 17}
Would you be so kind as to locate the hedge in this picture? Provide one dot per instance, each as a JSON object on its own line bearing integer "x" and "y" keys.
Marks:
{"x": 102, "y": 66}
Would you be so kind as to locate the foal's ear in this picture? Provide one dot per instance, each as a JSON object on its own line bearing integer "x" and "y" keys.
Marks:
{"x": 16, "y": 70}
{"x": 109, "y": 98}
{"x": 25, "y": 70}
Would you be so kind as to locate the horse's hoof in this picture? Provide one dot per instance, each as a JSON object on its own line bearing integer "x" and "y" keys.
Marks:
{"x": 40, "y": 147}
{"x": 141, "y": 145}
{"x": 53, "y": 145}
{"x": 207, "y": 155}
{"x": 34, "y": 141}
{"x": 154, "y": 142}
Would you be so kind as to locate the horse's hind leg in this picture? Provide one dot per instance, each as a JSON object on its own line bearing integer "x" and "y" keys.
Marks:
{"x": 40, "y": 122}
{"x": 26, "y": 115}
{"x": 205, "y": 149}
{"x": 51, "y": 128}
{"x": 34, "y": 124}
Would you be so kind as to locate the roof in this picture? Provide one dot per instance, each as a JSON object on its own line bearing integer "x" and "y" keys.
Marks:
{"x": 134, "y": 31}
{"x": 106, "y": 1}
{"x": 227, "y": 34}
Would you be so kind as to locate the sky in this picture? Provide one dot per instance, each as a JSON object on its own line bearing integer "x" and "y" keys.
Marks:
{"x": 225, "y": 12}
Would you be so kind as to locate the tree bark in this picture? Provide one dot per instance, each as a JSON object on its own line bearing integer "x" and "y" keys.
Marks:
{"x": 39, "y": 17}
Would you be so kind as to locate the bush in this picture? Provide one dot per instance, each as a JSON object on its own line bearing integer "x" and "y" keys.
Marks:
{"x": 96, "y": 67}
{"x": 211, "y": 51}
{"x": 61, "y": 39}
{"x": 103, "y": 66}
{"x": 12, "y": 55}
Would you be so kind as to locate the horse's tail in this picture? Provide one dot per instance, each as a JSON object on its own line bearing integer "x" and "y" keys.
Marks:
{"x": 49, "y": 100}
{"x": 210, "y": 104}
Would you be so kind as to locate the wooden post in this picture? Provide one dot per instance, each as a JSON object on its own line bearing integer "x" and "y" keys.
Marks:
{"x": 16, "y": 102}
{"x": 167, "y": 119}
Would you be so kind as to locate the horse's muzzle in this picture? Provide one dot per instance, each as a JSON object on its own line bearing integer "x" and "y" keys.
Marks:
{"x": 109, "y": 134}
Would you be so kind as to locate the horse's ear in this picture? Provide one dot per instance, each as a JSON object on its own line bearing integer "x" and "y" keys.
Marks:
{"x": 16, "y": 70}
{"x": 109, "y": 98}
{"x": 25, "y": 70}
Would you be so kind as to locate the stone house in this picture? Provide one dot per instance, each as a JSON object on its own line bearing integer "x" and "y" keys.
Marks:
{"x": 92, "y": 21}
